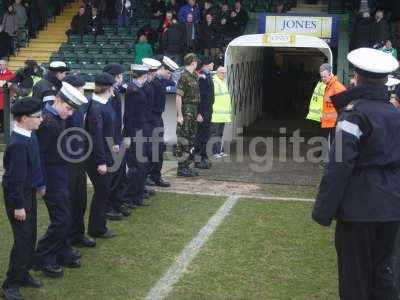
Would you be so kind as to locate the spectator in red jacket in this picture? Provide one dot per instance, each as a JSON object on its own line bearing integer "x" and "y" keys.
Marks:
{"x": 7, "y": 75}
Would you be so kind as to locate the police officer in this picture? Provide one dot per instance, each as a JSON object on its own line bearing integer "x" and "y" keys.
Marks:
{"x": 204, "y": 113}
{"x": 116, "y": 209}
{"x": 47, "y": 88}
{"x": 134, "y": 119}
{"x": 160, "y": 82}
{"x": 99, "y": 124}
{"x": 54, "y": 249}
{"x": 361, "y": 182}
{"x": 77, "y": 181}
{"x": 187, "y": 101}
{"x": 21, "y": 179}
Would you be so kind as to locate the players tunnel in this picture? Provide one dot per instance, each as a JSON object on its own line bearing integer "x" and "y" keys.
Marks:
{"x": 271, "y": 78}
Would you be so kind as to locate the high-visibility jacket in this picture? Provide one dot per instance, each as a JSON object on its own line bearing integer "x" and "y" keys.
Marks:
{"x": 35, "y": 80}
{"x": 222, "y": 107}
{"x": 316, "y": 102}
{"x": 329, "y": 114}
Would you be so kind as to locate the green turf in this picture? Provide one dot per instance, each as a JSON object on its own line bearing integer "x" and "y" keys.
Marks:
{"x": 129, "y": 265}
{"x": 264, "y": 250}
{"x": 285, "y": 190}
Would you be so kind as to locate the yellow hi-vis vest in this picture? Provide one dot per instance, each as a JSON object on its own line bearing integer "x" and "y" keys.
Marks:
{"x": 222, "y": 108}
{"x": 35, "y": 79}
{"x": 317, "y": 99}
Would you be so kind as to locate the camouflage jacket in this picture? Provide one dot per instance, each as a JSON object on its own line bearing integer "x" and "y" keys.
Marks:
{"x": 188, "y": 88}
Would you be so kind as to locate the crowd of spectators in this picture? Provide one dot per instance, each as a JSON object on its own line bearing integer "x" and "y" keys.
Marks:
{"x": 376, "y": 24}
{"x": 174, "y": 28}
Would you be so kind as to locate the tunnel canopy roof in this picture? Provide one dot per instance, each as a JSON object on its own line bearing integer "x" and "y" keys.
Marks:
{"x": 275, "y": 40}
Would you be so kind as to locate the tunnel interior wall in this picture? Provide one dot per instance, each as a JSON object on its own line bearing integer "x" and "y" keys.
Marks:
{"x": 245, "y": 75}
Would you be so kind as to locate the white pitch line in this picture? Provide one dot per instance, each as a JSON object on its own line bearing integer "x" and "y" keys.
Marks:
{"x": 164, "y": 286}
{"x": 255, "y": 197}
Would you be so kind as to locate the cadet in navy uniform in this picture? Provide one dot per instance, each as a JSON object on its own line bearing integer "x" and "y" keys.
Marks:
{"x": 116, "y": 209}
{"x": 159, "y": 83}
{"x": 77, "y": 181}
{"x": 134, "y": 119}
{"x": 99, "y": 124}
{"x": 150, "y": 121}
{"x": 361, "y": 183}
{"x": 53, "y": 250}
{"x": 204, "y": 114}
{"x": 47, "y": 88}
{"x": 21, "y": 179}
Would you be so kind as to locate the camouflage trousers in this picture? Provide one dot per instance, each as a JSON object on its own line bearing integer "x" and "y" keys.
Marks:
{"x": 186, "y": 134}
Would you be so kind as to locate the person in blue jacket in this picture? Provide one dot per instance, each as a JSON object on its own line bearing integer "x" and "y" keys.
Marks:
{"x": 99, "y": 124}
{"x": 360, "y": 187}
{"x": 77, "y": 180}
{"x": 191, "y": 7}
{"x": 134, "y": 119}
{"x": 54, "y": 250}
{"x": 116, "y": 209}
{"x": 161, "y": 81}
{"x": 22, "y": 179}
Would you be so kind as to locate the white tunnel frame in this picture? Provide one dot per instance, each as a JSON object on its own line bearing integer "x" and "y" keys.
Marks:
{"x": 243, "y": 55}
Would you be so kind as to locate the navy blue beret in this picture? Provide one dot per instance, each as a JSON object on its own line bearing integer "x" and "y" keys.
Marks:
{"x": 25, "y": 107}
{"x": 114, "y": 69}
{"x": 104, "y": 79}
{"x": 75, "y": 81}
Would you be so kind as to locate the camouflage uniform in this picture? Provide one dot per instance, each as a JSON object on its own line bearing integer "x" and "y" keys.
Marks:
{"x": 188, "y": 89}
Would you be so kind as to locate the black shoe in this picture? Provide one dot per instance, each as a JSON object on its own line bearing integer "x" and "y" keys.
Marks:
{"x": 32, "y": 283}
{"x": 11, "y": 294}
{"x": 186, "y": 172}
{"x": 162, "y": 183}
{"x": 54, "y": 271}
{"x": 109, "y": 234}
{"x": 75, "y": 254}
{"x": 150, "y": 182}
{"x": 150, "y": 191}
{"x": 142, "y": 204}
{"x": 114, "y": 215}
{"x": 125, "y": 211}
{"x": 202, "y": 165}
{"x": 146, "y": 195}
{"x": 84, "y": 241}
{"x": 130, "y": 205}
{"x": 73, "y": 264}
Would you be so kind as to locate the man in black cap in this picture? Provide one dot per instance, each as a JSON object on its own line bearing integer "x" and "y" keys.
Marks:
{"x": 47, "y": 88}
{"x": 361, "y": 184}
{"x": 204, "y": 113}
{"x": 99, "y": 124}
{"x": 115, "y": 205}
{"x": 77, "y": 181}
{"x": 21, "y": 180}
{"x": 53, "y": 250}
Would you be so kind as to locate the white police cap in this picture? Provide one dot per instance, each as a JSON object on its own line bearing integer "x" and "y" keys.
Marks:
{"x": 151, "y": 63}
{"x": 372, "y": 63}
{"x": 72, "y": 95}
{"x": 58, "y": 66}
{"x": 139, "y": 69}
{"x": 170, "y": 64}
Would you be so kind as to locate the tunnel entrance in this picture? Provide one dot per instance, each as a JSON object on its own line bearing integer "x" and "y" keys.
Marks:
{"x": 289, "y": 78}
{"x": 271, "y": 78}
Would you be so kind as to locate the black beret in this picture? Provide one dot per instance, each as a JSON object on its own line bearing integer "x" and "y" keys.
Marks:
{"x": 26, "y": 106}
{"x": 104, "y": 79}
{"x": 75, "y": 81}
{"x": 206, "y": 60}
{"x": 114, "y": 69}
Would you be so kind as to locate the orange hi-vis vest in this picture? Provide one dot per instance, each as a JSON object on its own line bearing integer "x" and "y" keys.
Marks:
{"x": 329, "y": 114}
